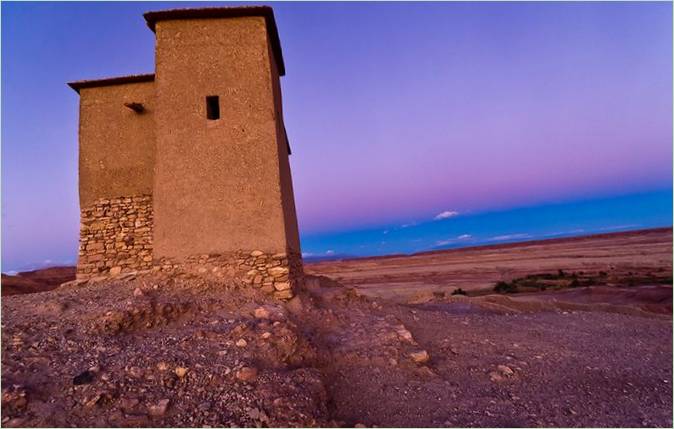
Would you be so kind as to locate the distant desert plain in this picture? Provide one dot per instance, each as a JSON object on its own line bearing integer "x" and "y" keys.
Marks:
{"x": 571, "y": 332}
{"x": 624, "y": 259}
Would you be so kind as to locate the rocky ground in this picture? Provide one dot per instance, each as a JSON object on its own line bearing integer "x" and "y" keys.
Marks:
{"x": 154, "y": 351}
{"x": 180, "y": 350}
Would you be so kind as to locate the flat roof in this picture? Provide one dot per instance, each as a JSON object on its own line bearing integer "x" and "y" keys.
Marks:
{"x": 110, "y": 81}
{"x": 225, "y": 12}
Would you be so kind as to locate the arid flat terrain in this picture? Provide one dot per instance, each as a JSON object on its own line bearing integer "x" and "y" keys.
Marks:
{"x": 554, "y": 347}
{"x": 639, "y": 257}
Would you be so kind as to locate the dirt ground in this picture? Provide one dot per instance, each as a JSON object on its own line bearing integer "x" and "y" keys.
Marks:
{"x": 158, "y": 350}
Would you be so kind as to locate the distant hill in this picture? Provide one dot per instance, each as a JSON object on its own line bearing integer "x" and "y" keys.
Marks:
{"x": 322, "y": 258}
{"x": 36, "y": 281}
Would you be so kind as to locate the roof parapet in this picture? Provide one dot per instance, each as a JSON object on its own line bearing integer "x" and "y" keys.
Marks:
{"x": 110, "y": 81}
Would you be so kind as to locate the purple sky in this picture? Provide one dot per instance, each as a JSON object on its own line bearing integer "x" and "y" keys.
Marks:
{"x": 396, "y": 112}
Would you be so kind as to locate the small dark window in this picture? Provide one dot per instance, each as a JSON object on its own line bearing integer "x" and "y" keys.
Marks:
{"x": 213, "y": 107}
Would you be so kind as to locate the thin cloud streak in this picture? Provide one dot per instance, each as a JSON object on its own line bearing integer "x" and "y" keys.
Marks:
{"x": 510, "y": 237}
{"x": 446, "y": 215}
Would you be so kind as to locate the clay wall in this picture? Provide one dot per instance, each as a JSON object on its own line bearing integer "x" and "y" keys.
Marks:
{"x": 217, "y": 186}
{"x": 116, "y": 152}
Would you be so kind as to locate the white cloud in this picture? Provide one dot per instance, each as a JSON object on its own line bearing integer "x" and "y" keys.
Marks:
{"x": 407, "y": 225}
{"x": 12, "y": 273}
{"x": 307, "y": 254}
{"x": 446, "y": 215}
{"x": 453, "y": 240}
{"x": 612, "y": 228}
{"x": 509, "y": 237}
{"x": 572, "y": 231}
{"x": 330, "y": 252}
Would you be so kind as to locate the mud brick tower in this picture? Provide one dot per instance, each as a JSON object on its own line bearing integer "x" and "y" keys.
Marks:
{"x": 188, "y": 168}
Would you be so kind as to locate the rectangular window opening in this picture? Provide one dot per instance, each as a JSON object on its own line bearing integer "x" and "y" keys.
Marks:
{"x": 213, "y": 107}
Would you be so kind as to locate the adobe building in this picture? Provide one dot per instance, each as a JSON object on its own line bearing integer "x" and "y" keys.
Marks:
{"x": 187, "y": 168}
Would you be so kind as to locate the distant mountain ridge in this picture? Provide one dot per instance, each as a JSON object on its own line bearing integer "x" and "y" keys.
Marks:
{"x": 333, "y": 257}
{"x": 36, "y": 281}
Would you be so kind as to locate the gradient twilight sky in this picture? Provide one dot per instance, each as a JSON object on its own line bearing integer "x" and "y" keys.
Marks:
{"x": 529, "y": 120}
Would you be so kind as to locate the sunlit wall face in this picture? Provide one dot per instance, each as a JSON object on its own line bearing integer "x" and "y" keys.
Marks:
{"x": 395, "y": 112}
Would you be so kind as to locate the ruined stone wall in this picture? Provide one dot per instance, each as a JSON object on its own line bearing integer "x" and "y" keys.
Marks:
{"x": 115, "y": 236}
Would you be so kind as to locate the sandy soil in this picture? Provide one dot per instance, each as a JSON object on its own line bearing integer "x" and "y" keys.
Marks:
{"x": 153, "y": 350}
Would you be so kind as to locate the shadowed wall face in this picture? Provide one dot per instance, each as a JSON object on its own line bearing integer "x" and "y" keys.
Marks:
{"x": 217, "y": 186}
{"x": 283, "y": 148}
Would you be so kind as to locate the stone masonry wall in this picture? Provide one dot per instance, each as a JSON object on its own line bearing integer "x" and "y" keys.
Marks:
{"x": 115, "y": 236}
{"x": 276, "y": 274}
{"x": 279, "y": 274}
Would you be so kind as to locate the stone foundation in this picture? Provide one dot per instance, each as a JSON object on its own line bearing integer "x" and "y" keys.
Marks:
{"x": 277, "y": 274}
{"x": 115, "y": 236}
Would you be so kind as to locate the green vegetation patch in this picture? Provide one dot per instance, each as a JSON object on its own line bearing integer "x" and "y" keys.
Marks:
{"x": 562, "y": 280}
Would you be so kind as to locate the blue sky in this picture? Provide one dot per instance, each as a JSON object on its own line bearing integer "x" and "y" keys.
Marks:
{"x": 453, "y": 230}
{"x": 558, "y": 115}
